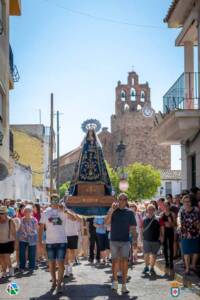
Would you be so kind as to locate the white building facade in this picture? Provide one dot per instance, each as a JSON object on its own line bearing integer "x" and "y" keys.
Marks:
{"x": 18, "y": 185}
{"x": 171, "y": 183}
{"x": 180, "y": 123}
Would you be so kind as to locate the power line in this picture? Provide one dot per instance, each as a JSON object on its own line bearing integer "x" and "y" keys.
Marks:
{"x": 103, "y": 19}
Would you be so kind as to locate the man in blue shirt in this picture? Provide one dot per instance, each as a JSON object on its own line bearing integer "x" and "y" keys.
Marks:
{"x": 123, "y": 223}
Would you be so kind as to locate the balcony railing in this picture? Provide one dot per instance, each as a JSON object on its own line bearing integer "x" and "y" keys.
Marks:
{"x": 184, "y": 93}
{"x": 13, "y": 69}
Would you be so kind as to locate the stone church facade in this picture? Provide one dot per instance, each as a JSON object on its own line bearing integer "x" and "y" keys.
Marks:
{"x": 128, "y": 125}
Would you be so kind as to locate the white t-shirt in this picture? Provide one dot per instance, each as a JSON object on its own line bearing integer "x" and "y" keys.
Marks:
{"x": 71, "y": 227}
{"x": 54, "y": 221}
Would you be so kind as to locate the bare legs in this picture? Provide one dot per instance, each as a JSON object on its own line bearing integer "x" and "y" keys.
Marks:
{"x": 149, "y": 259}
{"x": 60, "y": 273}
{"x": 187, "y": 263}
{"x": 146, "y": 260}
{"x": 124, "y": 269}
{"x": 115, "y": 268}
{"x": 3, "y": 262}
{"x": 190, "y": 258}
{"x": 52, "y": 268}
{"x": 121, "y": 264}
{"x": 194, "y": 261}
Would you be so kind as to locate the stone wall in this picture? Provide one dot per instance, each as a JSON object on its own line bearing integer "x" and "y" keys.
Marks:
{"x": 137, "y": 133}
{"x": 66, "y": 172}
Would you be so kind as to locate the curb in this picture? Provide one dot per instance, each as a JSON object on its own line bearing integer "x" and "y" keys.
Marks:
{"x": 186, "y": 283}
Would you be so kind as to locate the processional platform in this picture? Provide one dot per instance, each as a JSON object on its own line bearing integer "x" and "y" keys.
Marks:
{"x": 90, "y": 191}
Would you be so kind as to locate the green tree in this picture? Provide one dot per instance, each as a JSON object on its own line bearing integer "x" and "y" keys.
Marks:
{"x": 114, "y": 178}
{"x": 63, "y": 188}
{"x": 143, "y": 180}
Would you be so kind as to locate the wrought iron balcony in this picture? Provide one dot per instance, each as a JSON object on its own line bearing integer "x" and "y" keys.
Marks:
{"x": 13, "y": 69}
{"x": 184, "y": 93}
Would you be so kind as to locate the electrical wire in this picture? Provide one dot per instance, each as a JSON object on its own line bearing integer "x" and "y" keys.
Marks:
{"x": 103, "y": 19}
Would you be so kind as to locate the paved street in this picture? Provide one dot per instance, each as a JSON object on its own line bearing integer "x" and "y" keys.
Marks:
{"x": 92, "y": 283}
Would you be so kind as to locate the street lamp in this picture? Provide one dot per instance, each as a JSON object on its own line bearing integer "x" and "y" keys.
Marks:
{"x": 120, "y": 150}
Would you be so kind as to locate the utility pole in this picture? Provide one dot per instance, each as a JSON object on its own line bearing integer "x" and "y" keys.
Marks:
{"x": 58, "y": 153}
{"x": 40, "y": 116}
{"x": 51, "y": 143}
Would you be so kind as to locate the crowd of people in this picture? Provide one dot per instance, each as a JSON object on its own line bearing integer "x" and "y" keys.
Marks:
{"x": 31, "y": 234}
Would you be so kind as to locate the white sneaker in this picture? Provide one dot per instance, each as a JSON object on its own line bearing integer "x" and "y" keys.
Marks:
{"x": 70, "y": 270}
{"x": 11, "y": 272}
{"x": 124, "y": 289}
{"x": 114, "y": 285}
{"x": 66, "y": 274}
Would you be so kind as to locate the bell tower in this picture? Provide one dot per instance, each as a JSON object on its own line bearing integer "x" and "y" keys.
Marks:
{"x": 131, "y": 96}
{"x": 136, "y": 131}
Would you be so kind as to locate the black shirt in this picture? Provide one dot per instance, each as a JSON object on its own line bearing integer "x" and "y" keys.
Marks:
{"x": 152, "y": 233}
{"x": 121, "y": 221}
{"x": 168, "y": 218}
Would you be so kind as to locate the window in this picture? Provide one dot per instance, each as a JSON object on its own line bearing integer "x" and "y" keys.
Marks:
{"x": 168, "y": 188}
{"x": 126, "y": 107}
{"x": 142, "y": 96}
{"x": 132, "y": 81}
{"x": 133, "y": 94}
{"x": 123, "y": 95}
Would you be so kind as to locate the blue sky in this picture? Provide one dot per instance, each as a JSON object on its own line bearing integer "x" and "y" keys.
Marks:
{"x": 80, "y": 59}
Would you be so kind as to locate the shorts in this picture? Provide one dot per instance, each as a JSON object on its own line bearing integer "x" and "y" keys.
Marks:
{"x": 56, "y": 251}
{"x": 151, "y": 247}
{"x": 72, "y": 242}
{"x": 103, "y": 241}
{"x": 119, "y": 249}
{"x": 7, "y": 248}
